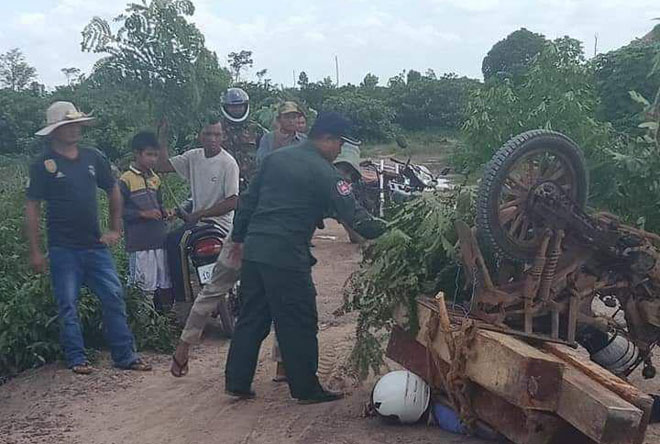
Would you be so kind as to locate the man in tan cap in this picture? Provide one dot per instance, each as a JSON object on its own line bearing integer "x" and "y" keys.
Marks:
{"x": 286, "y": 132}
{"x": 66, "y": 176}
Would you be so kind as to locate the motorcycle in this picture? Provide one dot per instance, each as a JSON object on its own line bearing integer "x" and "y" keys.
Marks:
{"x": 397, "y": 182}
{"x": 201, "y": 246}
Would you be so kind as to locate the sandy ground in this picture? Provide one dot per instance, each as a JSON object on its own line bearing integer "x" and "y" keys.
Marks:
{"x": 51, "y": 405}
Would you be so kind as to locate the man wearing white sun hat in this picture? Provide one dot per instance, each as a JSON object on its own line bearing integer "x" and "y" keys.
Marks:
{"x": 66, "y": 176}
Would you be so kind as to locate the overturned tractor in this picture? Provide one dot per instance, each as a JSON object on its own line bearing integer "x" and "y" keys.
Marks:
{"x": 561, "y": 274}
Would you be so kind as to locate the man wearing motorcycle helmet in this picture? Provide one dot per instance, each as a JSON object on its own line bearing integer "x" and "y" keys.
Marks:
{"x": 242, "y": 135}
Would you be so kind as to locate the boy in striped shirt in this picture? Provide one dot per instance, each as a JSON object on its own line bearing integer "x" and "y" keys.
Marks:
{"x": 144, "y": 222}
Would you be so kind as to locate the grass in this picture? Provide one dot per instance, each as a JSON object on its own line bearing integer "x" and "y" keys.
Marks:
{"x": 28, "y": 313}
{"x": 438, "y": 144}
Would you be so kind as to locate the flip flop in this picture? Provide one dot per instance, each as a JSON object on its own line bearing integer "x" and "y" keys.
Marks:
{"x": 139, "y": 366}
{"x": 83, "y": 369}
{"x": 183, "y": 367}
{"x": 280, "y": 378}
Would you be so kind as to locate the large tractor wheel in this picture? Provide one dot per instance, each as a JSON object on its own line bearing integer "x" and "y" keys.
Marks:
{"x": 534, "y": 157}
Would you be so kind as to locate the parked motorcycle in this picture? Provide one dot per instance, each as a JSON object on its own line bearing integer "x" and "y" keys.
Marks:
{"x": 396, "y": 182}
{"x": 201, "y": 246}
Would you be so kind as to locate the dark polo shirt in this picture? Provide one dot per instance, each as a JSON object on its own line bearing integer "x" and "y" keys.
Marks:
{"x": 69, "y": 188}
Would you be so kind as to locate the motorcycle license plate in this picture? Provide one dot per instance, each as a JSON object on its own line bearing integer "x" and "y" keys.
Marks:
{"x": 204, "y": 273}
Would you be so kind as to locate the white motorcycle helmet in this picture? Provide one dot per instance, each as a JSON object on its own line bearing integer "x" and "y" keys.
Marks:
{"x": 402, "y": 396}
{"x": 239, "y": 99}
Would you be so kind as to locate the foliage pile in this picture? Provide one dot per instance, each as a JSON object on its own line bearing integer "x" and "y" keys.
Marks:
{"x": 415, "y": 257}
{"x": 28, "y": 313}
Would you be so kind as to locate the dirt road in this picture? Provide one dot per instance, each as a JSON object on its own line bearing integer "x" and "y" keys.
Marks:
{"x": 51, "y": 405}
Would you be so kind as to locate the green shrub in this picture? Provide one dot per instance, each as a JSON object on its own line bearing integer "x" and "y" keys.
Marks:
{"x": 414, "y": 258}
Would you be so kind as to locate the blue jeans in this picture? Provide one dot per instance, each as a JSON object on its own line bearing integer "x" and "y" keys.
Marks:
{"x": 70, "y": 270}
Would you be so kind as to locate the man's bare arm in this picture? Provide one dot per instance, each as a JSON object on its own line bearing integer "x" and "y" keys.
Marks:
{"x": 220, "y": 209}
{"x": 32, "y": 218}
{"x": 164, "y": 165}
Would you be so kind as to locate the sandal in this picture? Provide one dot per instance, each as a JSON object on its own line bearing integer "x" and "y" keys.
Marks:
{"x": 139, "y": 366}
{"x": 182, "y": 367}
{"x": 280, "y": 378}
{"x": 82, "y": 369}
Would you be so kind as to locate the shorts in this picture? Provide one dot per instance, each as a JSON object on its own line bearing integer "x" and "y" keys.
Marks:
{"x": 148, "y": 270}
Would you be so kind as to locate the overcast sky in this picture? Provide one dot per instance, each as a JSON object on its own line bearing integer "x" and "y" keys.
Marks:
{"x": 379, "y": 36}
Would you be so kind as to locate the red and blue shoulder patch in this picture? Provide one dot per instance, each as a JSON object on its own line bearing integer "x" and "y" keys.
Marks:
{"x": 343, "y": 188}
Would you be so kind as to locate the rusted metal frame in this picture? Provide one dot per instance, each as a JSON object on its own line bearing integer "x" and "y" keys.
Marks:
{"x": 457, "y": 318}
{"x": 548, "y": 275}
{"x": 533, "y": 279}
{"x": 573, "y": 309}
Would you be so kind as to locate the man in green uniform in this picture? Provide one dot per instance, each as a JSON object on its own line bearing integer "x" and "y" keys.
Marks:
{"x": 276, "y": 219}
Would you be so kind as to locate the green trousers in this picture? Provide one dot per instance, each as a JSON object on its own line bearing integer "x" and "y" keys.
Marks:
{"x": 287, "y": 298}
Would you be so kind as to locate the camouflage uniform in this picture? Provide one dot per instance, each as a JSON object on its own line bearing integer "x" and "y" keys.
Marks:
{"x": 242, "y": 141}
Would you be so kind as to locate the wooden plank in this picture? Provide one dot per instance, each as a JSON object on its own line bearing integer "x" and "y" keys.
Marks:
{"x": 533, "y": 379}
{"x": 607, "y": 379}
{"x": 512, "y": 369}
{"x": 516, "y": 424}
{"x": 410, "y": 354}
{"x": 596, "y": 411}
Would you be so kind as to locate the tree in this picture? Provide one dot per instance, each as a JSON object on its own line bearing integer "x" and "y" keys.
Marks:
{"x": 413, "y": 76}
{"x": 238, "y": 61}
{"x": 511, "y": 57}
{"x": 314, "y": 94}
{"x": 303, "y": 80}
{"x": 15, "y": 73}
{"x": 21, "y": 115}
{"x": 372, "y": 117}
{"x": 71, "y": 74}
{"x": 261, "y": 74}
{"x": 556, "y": 92}
{"x": 370, "y": 81}
{"x": 623, "y": 70}
{"x": 428, "y": 102}
{"x": 156, "y": 64}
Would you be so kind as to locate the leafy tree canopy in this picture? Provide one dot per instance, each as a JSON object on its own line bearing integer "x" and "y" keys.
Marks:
{"x": 156, "y": 57}
{"x": 511, "y": 57}
{"x": 15, "y": 73}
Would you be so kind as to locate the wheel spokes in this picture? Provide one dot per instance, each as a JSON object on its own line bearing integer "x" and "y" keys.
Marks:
{"x": 508, "y": 214}
{"x": 522, "y": 177}
{"x": 517, "y": 222}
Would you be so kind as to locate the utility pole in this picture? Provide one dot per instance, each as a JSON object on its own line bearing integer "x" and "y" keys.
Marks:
{"x": 337, "y": 69}
{"x": 595, "y": 44}
{"x": 294, "y": 78}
